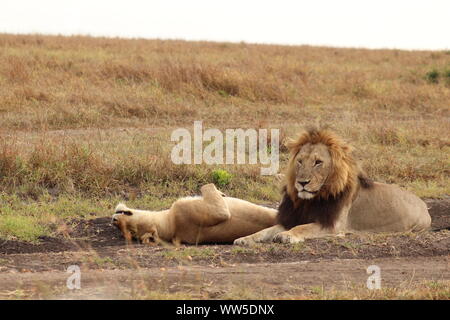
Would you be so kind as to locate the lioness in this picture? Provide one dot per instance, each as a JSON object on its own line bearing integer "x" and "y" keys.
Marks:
{"x": 326, "y": 193}
{"x": 213, "y": 217}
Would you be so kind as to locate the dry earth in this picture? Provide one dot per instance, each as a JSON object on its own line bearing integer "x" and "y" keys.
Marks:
{"x": 112, "y": 270}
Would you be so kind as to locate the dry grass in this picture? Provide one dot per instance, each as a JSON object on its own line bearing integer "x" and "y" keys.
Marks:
{"x": 141, "y": 290}
{"x": 61, "y": 82}
{"x": 90, "y": 118}
{"x": 425, "y": 290}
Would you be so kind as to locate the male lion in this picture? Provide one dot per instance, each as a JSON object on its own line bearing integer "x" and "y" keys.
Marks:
{"x": 327, "y": 194}
{"x": 213, "y": 217}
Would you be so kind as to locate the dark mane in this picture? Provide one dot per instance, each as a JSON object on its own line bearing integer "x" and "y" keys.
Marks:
{"x": 320, "y": 210}
{"x": 364, "y": 181}
{"x": 323, "y": 211}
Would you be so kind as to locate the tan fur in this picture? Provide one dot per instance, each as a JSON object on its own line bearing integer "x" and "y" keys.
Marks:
{"x": 324, "y": 164}
{"x": 193, "y": 220}
{"x": 342, "y": 172}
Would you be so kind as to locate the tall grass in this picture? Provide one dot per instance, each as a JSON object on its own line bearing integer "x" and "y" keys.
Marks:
{"x": 81, "y": 168}
{"x": 89, "y": 119}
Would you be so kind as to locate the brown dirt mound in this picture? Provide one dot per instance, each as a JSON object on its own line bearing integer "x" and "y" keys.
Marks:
{"x": 440, "y": 213}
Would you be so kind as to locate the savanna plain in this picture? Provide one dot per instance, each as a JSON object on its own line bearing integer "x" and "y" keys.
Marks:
{"x": 86, "y": 123}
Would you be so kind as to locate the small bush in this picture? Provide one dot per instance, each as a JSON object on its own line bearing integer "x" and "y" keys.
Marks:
{"x": 221, "y": 177}
{"x": 432, "y": 76}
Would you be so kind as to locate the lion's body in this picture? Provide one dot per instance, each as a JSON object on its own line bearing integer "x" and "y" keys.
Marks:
{"x": 387, "y": 208}
{"x": 206, "y": 219}
{"x": 327, "y": 194}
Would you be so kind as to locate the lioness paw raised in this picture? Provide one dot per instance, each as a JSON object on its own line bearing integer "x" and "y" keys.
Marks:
{"x": 209, "y": 186}
{"x": 286, "y": 237}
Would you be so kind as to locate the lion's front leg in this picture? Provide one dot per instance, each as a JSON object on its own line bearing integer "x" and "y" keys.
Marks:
{"x": 150, "y": 237}
{"x": 302, "y": 232}
{"x": 265, "y": 235}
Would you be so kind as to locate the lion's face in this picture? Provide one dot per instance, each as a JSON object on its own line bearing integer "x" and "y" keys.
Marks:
{"x": 312, "y": 168}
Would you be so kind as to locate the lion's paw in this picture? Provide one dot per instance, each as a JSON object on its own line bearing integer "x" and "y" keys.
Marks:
{"x": 286, "y": 237}
{"x": 244, "y": 241}
{"x": 209, "y": 186}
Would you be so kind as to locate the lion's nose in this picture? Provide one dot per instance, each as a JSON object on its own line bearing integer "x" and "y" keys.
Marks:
{"x": 304, "y": 182}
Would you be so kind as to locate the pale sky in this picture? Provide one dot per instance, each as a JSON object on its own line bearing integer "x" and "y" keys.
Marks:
{"x": 403, "y": 24}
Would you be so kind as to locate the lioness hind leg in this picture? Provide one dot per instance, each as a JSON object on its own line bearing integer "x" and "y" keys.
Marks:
{"x": 212, "y": 196}
{"x": 265, "y": 235}
{"x": 215, "y": 207}
{"x": 208, "y": 211}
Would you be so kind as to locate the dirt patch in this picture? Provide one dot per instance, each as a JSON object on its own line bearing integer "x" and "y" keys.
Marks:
{"x": 113, "y": 270}
{"x": 240, "y": 281}
{"x": 77, "y": 235}
{"x": 141, "y": 256}
{"x": 440, "y": 212}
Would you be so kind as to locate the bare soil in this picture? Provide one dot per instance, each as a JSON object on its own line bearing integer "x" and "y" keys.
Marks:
{"x": 113, "y": 270}
{"x": 253, "y": 281}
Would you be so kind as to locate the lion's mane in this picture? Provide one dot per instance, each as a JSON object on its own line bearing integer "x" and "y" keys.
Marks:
{"x": 340, "y": 187}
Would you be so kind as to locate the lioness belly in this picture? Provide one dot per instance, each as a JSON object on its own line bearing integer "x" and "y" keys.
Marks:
{"x": 244, "y": 211}
{"x": 230, "y": 230}
{"x": 246, "y": 219}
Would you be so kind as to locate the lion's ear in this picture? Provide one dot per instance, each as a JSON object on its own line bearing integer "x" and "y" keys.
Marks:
{"x": 125, "y": 212}
{"x": 294, "y": 145}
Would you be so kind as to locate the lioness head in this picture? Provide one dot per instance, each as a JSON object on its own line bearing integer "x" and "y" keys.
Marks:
{"x": 134, "y": 224}
{"x": 320, "y": 165}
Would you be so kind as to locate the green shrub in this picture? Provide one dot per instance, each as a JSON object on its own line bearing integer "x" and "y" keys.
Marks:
{"x": 221, "y": 178}
{"x": 432, "y": 76}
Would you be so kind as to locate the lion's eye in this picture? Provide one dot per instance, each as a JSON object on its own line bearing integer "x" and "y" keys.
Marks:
{"x": 299, "y": 162}
{"x": 318, "y": 162}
